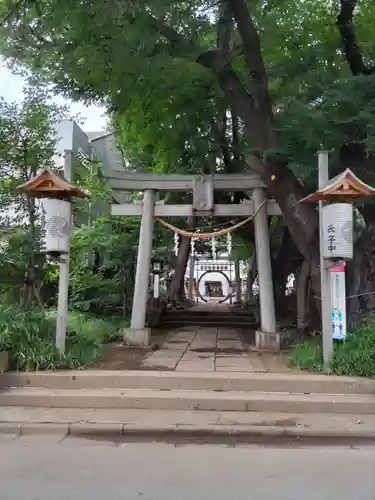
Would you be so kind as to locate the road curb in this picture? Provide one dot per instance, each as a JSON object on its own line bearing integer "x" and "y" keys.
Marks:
{"x": 191, "y": 432}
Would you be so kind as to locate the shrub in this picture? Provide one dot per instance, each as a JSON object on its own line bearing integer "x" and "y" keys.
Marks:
{"x": 308, "y": 356}
{"x": 29, "y": 337}
{"x": 354, "y": 357}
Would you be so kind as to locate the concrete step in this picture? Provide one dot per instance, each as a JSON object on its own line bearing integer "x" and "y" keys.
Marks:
{"x": 147, "y": 399}
{"x": 191, "y": 425}
{"x": 176, "y": 426}
{"x": 302, "y": 383}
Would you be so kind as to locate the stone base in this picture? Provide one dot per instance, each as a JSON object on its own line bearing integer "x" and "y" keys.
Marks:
{"x": 137, "y": 337}
{"x": 268, "y": 341}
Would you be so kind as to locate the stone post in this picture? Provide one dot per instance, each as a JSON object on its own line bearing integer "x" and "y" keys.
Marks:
{"x": 267, "y": 337}
{"x": 137, "y": 334}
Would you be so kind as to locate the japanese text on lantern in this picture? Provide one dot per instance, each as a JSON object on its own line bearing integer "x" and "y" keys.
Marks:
{"x": 331, "y": 230}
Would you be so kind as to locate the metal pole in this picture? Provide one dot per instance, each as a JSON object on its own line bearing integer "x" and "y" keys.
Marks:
{"x": 325, "y": 277}
{"x": 63, "y": 294}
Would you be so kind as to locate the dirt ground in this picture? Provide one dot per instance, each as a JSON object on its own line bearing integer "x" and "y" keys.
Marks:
{"x": 119, "y": 357}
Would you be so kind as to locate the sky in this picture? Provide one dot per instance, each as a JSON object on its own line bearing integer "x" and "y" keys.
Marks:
{"x": 11, "y": 86}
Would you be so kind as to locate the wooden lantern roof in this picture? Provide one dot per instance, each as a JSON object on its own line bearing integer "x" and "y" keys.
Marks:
{"x": 345, "y": 188}
{"x": 48, "y": 184}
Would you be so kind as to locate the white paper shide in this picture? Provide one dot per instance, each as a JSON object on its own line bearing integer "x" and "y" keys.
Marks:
{"x": 338, "y": 231}
{"x": 57, "y": 214}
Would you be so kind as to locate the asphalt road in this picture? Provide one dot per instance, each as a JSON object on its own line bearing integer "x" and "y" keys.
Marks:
{"x": 39, "y": 468}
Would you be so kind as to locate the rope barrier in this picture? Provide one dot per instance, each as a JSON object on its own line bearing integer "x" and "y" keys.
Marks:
{"x": 350, "y": 296}
{"x": 214, "y": 234}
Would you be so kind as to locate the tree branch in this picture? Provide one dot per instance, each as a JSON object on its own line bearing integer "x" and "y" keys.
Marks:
{"x": 349, "y": 40}
{"x": 12, "y": 12}
{"x": 224, "y": 28}
{"x": 252, "y": 50}
{"x": 177, "y": 40}
{"x": 218, "y": 61}
{"x": 255, "y": 64}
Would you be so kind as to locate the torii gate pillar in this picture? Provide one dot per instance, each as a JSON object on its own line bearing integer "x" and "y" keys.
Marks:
{"x": 138, "y": 334}
{"x": 267, "y": 337}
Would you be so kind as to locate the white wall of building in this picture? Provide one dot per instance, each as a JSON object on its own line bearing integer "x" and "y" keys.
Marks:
{"x": 102, "y": 144}
{"x": 70, "y": 137}
{"x": 105, "y": 148}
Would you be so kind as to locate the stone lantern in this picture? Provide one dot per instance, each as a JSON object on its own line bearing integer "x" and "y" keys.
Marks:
{"x": 56, "y": 194}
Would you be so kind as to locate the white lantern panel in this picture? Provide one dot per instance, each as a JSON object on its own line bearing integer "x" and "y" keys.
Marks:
{"x": 337, "y": 220}
{"x": 57, "y": 225}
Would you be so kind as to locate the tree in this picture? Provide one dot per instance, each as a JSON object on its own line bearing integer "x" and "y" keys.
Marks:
{"x": 27, "y": 144}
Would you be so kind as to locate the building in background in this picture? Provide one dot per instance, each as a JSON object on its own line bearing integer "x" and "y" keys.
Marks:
{"x": 101, "y": 145}
{"x": 216, "y": 278}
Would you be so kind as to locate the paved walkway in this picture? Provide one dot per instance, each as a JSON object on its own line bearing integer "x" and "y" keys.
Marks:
{"x": 81, "y": 469}
{"x": 201, "y": 349}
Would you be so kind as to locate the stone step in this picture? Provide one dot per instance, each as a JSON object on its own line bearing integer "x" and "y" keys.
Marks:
{"x": 239, "y": 317}
{"x": 200, "y": 317}
{"x": 302, "y": 383}
{"x": 220, "y": 320}
{"x": 204, "y": 313}
{"x": 179, "y": 323}
{"x": 186, "y": 314}
{"x": 147, "y": 399}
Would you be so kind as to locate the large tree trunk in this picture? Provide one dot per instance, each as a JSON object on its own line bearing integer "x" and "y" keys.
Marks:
{"x": 176, "y": 290}
{"x": 303, "y": 292}
{"x": 251, "y": 275}
{"x": 361, "y": 272}
{"x": 288, "y": 260}
{"x": 251, "y": 102}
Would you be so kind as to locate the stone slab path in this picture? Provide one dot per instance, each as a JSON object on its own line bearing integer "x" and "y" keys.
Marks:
{"x": 198, "y": 349}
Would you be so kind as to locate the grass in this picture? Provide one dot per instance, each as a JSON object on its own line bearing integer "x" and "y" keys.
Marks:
{"x": 29, "y": 337}
{"x": 354, "y": 357}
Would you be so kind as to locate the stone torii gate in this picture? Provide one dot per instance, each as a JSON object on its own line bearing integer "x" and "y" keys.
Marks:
{"x": 202, "y": 187}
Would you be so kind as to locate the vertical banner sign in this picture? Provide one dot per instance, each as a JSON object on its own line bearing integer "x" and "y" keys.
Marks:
{"x": 338, "y": 301}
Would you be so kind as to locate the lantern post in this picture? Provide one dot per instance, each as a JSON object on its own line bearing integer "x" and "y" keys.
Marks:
{"x": 336, "y": 197}
{"x": 325, "y": 278}
{"x": 56, "y": 194}
{"x": 63, "y": 293}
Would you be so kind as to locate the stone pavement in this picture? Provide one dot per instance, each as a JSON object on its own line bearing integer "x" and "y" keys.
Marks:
{"x": 198, "y": 349}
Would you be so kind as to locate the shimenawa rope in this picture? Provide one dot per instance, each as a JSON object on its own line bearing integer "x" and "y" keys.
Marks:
{"x": 214, "y": 234}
